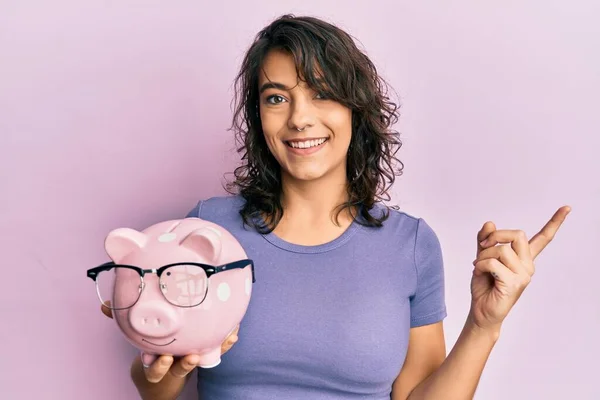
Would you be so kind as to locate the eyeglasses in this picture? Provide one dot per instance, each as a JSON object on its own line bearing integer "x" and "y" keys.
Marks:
{"x": 182, "y": 284}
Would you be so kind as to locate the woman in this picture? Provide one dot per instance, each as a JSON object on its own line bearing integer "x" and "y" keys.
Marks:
{"x": 349, "y": 302}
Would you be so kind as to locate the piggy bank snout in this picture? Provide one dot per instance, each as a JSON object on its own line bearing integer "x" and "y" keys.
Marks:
{"x": 154, "y": 319}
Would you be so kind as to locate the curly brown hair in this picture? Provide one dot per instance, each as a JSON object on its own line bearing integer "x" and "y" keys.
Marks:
{"x": 329, "y": 61}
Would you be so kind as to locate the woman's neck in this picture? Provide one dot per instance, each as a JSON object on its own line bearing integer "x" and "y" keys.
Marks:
{"x": 310, "y": 209}
{"x": 313, "y": 199}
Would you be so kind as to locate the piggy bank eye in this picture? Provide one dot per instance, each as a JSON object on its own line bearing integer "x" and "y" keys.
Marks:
{"x": 185, "y": 285}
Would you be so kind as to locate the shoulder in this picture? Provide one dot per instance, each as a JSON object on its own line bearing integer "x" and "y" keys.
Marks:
{"x": 217, "y": 208}
{"x": 411, "y": 234}
{"x": 403, "y": 224}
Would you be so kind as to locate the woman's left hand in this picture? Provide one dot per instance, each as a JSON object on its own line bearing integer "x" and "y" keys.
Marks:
{"x": 503, "y": 272}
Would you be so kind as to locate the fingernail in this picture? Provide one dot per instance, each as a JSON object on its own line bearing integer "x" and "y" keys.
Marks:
{"x": 483, "y": 242}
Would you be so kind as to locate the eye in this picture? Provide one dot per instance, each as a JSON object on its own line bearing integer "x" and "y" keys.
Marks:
{"x": 275, "y": 99}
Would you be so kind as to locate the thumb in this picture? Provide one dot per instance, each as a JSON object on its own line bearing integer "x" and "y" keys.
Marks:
{"x": 485, "y": 231}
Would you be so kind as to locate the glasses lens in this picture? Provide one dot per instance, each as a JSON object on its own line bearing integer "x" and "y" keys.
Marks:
{"x": 184, "y": 285}
{"x": 121, "y": 286}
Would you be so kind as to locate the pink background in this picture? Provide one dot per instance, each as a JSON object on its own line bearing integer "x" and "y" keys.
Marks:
{"x": 116, "y": 115}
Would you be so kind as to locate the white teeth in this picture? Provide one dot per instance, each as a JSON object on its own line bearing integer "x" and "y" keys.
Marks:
{"x": 307, "y": 144}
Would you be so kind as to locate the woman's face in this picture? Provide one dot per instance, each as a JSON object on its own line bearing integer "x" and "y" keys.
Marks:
{"x": 288, "y": 105}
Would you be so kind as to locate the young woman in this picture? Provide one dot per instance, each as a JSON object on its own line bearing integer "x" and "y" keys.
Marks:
{"x": 349, "y": 298}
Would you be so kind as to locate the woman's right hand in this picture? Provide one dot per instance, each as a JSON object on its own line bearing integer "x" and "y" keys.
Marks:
{"x": 182, "y": 366}
{"x": 178, "y": 367}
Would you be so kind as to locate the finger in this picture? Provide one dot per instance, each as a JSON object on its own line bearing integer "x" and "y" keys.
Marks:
{"x": 106, "y": 310}
{"x": 495, "y": 268}
{"x": 505, "y": 255}
{"x": 517, "y": 239}
{"x": 228, "y": 343}
{"x": 485, "y": 231}
{"x": 541, "y": 239}
{"x": 184, "y": 366}
{"x": 514, "y": 283}
{"x": 158, "y": 369}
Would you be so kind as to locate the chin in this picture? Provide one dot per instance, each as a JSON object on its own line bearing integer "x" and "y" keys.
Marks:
{"x": 307, "y": 175}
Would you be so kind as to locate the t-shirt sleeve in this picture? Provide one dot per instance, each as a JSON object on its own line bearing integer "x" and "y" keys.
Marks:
{"x": 195, "y": 212}
{"x": 428, "y": 304}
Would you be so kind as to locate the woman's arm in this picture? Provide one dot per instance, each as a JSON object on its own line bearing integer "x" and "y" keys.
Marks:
{"x": 426, "y": 353}
{"x": 456, "y": 377}
{"x": 500, "y": 276}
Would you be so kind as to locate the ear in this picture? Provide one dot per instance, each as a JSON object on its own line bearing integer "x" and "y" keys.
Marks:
{"x": 121, "y": 242}
{"x": 205, "y": 242}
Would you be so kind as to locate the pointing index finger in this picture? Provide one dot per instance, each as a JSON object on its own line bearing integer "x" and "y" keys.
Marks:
{"x": 541, "y": 239}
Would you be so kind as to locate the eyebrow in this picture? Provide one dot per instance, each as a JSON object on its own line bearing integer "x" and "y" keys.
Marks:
{"x": 281, "y": 86}
{"x": 273, "y": 85}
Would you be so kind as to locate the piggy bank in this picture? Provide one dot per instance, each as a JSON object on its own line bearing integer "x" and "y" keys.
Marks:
{"x": 176, "y": 288}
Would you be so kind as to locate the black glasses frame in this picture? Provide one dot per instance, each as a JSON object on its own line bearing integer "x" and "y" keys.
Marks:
{"x": 210, "y": 270}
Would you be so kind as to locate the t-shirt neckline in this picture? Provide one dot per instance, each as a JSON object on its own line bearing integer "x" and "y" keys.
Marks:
{"x": 313, "y": 249}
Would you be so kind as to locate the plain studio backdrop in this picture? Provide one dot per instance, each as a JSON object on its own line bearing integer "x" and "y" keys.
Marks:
{"x": 115, "y": 113}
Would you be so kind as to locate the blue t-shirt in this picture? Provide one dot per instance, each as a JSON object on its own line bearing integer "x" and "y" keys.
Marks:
{"x": 329, "y": 321}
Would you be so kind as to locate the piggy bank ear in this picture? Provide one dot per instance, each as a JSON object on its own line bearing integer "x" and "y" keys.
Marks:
{"x": 204, "y": 241}
{"x": 121, "y": 242}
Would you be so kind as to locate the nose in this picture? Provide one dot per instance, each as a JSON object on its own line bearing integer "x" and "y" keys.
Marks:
{"x": 154, "y": 319}
{"x": 302, "y": 115}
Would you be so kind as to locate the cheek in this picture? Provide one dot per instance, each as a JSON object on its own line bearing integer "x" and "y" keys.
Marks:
{"x": 271, "y": 128}
{"x": 341, "y": 124}
{"x": 271, "y": 141}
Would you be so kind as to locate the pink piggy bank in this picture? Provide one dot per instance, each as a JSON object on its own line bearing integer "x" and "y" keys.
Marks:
{"x": 179, "y": 287}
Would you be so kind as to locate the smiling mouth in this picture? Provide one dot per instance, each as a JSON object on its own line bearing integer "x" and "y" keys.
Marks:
{"x": 160, "y": 345}
{"x": 305, "y": 144}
